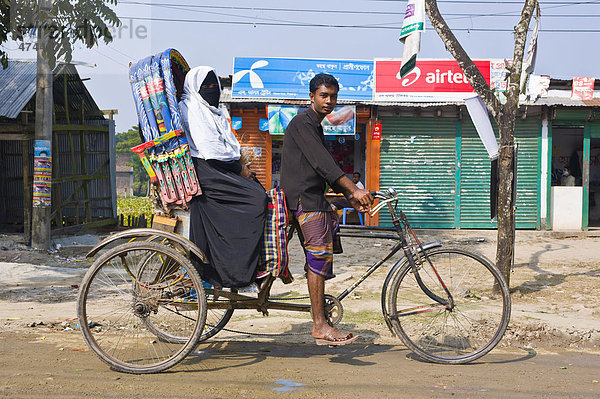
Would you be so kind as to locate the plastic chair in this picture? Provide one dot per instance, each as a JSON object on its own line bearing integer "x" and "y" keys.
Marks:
{"x": 345, "y": 210}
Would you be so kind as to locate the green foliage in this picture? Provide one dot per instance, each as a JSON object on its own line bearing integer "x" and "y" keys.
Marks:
{"x": 124, "y": 141}
{"x": 134, "y": 206}
{"x": 66, "y": 21}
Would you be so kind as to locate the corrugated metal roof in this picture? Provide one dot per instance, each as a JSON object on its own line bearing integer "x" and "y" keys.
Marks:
{"x": 78, "y": 96}
{"x": 563, "y": 97}
{"x": 18, "y": 86}
{"x": 17, "y": 83}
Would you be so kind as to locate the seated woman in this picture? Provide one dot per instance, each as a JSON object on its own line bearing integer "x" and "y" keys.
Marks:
{"x": 227, "y": 220}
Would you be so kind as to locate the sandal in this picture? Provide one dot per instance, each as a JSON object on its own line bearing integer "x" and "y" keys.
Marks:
{"x": 337, "y": 342}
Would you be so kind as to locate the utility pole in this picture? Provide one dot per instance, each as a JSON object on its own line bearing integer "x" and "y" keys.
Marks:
{"x": 42, "y": 176}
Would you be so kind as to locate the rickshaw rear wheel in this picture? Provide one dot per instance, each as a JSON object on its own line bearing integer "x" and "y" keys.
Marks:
{"x": 131, "y": 285}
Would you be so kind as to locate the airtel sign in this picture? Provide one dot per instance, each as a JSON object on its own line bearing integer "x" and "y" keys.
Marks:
{"x": 430, "y": 80}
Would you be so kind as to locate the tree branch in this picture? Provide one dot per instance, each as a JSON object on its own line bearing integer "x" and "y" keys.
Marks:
{"x": 521, "y": 29}
{"x": 464, "y": 61}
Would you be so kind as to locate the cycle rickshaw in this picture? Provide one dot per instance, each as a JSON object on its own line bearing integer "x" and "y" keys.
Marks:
{"x": 143, "y": 307}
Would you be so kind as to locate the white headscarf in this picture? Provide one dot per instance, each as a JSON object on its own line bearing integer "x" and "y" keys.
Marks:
{"x": 208, "y": 128}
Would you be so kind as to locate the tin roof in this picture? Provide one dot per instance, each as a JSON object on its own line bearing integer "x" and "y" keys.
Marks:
{"x": 18, "y": 83}
{"x": 563, "y": 97}
{"x": 18, "y": 86}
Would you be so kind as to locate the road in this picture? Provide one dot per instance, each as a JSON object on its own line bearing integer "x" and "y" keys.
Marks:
{"x": 63, "y": 367}
{"x": 555, "y": 290}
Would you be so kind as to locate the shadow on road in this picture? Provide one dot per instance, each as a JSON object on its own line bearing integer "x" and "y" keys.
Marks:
{"x": 545, "y": 279}
{"x": 230, "y": 355}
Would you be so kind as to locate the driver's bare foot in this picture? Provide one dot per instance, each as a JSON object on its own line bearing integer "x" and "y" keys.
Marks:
{"x": 328, "y": 335}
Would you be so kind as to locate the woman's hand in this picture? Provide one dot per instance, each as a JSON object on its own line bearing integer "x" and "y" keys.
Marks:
{"x": 247, "y": 172}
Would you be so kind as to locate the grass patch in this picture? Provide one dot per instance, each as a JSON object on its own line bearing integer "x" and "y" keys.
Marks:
{"x": 363, "y": 317}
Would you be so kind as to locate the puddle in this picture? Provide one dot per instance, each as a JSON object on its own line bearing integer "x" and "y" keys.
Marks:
{"x": 287, "y": 386}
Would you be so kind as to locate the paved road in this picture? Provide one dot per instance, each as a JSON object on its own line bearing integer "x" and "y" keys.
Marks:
{"x": 58, "y": 367}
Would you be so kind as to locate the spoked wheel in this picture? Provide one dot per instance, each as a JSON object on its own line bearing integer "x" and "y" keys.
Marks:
{"x": 142, "y": 307}
{"x": 461, "y": 330}
{"x": 216, "y": 318}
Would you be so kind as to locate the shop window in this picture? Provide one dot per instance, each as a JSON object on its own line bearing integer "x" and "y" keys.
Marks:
{"x": 342, "y": 150}
{"x": 567, "y": 156}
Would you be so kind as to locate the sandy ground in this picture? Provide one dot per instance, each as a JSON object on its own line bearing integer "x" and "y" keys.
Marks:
{"x": 555, "y": 288}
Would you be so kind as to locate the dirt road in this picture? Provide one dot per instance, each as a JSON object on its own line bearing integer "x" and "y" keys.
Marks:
{"x": 57, "y": 367}
{"x": 552, "y": 347}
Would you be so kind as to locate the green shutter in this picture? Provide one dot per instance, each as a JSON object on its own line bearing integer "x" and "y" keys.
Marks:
{"x": 475, "y": 177}
{"x": 474, "y": 180}
{"x": 527, "y": 135}
{"x": 572, "y": 113}
{"x": 418, "y": 158}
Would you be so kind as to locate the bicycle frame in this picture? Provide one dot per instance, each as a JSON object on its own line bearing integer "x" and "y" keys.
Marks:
{"x": 401, "y": 224}
{"x": 415, "y": 253}
{"x": 263, "y": 303}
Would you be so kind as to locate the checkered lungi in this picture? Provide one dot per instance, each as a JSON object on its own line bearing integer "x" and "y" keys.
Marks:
{"x": 318, "y": 229}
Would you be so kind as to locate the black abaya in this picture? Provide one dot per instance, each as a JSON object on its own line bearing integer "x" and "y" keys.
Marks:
{"x": 227, "y": 223}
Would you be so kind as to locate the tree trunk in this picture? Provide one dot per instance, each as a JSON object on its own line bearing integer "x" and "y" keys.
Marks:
{"x": 506, "y": 196}
{"x": 469, "y": 68}
{"x": 504, "y": 114}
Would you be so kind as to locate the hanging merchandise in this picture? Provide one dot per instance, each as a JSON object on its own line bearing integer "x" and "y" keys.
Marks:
{"x": 154, "y": 82}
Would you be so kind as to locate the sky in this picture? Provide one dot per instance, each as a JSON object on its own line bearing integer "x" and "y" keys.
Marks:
{"x": 213, "y": 32}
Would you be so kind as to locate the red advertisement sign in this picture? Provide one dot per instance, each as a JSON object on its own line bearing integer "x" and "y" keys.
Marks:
{"x": 376, "y": 132}
{"x": 430, "y": 79}
{"x": 583, "y": 88}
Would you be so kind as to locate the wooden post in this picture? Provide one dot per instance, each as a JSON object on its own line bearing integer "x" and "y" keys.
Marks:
{"x": 88, "y": 211}
{"x": 40, "y": 219}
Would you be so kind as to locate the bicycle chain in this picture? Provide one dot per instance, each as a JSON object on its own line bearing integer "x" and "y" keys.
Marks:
{"x": 266, "y": 334}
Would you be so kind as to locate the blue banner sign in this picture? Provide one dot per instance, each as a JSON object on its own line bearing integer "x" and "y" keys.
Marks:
{"x": 288, "y": 78}
{"x": 236, "y": 123}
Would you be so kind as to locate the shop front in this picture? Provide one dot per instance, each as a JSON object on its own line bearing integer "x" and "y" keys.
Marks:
{"x": 264, "y": 148}
{"x": 574, "y": 181}
{"x": 266, "y": 93}
{"x": 415, "y": 134}
{"x": 438, "y": 163}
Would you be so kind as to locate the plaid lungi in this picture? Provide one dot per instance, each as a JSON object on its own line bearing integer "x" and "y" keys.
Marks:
{"x": 318, "y": 230}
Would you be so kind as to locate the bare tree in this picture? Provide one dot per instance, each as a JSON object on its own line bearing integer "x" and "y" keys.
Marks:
{"x": 503, "y": 114}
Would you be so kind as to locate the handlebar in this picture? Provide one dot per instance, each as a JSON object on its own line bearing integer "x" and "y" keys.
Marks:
{"x": 386, "y": 197}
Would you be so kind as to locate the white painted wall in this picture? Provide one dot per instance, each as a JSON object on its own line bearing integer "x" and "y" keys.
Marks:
{"x": 566, "y": 208}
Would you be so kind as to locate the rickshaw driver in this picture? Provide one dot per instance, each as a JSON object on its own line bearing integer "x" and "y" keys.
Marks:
{"x": 306, "y": 167}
